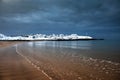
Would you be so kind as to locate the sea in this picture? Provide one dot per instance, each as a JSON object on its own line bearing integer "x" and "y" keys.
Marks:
{"x": 97, "y": 49}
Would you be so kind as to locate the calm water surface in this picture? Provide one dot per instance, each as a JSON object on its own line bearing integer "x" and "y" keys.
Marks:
{"x": 74, "y": 60}
{"x": 101, "y": 49}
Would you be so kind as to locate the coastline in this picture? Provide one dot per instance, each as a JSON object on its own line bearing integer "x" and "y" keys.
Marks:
{"x": 4, "y": 43}
{"x": 8, "y": 43}
{"x": 38, "y": 64}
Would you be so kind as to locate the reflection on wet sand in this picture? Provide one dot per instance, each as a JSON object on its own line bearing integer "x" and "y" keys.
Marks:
{"x": 63, "y": 44}
{"x": 62, "y": 63}
{"x": 54, "y": 61}
{"x": 14, "y": 67}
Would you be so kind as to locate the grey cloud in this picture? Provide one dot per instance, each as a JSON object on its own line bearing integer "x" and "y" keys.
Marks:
{"x": 65, "y": 14}
{"x": 48, "y": 16}
{"x": 76, "y": 11}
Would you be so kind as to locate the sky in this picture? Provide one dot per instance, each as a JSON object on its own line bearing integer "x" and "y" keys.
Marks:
{"x": 99, "y": 18}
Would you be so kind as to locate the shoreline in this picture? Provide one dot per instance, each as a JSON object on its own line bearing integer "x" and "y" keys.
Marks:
{"x": 49, "y": 65}
{"x": 5, "y": 43}
{"x": 8, "y": 43}
{"x": 56, "y": 40}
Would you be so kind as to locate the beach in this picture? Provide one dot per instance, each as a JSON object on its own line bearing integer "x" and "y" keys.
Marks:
{"x": 15, "y": 67}
{"x": 6, "y": 43}
{"x": 27, "y": 61}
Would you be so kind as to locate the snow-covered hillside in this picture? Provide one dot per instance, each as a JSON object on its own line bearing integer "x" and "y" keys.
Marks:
{"x": 45, "y": 37}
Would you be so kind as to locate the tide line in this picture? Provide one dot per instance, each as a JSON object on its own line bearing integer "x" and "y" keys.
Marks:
{"x": 32, "y": 64}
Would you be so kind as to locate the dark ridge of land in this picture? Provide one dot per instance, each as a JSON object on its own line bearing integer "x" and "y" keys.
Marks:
{"x": 56, "y": 40}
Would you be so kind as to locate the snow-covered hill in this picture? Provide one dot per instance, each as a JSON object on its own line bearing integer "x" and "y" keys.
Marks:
{"x": 45, "y": 37}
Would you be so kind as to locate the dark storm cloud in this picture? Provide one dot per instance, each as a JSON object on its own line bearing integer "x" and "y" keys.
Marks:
{"x": 77, "y": 11}
{"x": 68, "y": 14}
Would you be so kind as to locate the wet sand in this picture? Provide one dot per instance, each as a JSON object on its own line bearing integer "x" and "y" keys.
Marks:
{"x": 21, "y": 63}
{"x": 15, "y": 67}
{"x": 8, "y": 43}
{"x": 69, "y": 67}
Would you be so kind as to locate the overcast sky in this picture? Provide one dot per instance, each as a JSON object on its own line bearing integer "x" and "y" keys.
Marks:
{"x": 92, "y": 17}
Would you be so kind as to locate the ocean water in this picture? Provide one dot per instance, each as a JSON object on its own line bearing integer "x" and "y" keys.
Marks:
{"x": 74, "y": 60}
{"x": 97, "y": 49}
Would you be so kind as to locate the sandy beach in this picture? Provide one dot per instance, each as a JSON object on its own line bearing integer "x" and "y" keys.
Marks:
{"x": 15, "y": 67}
{"x": 8, "y": 43}
{"x": 19, "y": 63}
